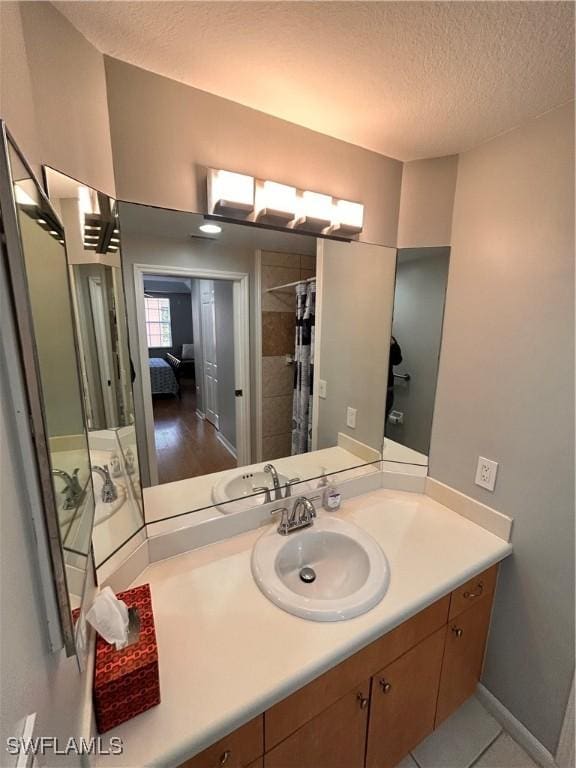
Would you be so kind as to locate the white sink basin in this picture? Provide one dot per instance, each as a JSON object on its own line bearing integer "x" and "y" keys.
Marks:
{"x": 351, "y": 571}
{"x": 236, "y": 493}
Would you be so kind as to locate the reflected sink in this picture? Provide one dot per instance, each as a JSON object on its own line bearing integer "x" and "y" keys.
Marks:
{"x": 330, "y": 571}
{"x": 239, "y": 489}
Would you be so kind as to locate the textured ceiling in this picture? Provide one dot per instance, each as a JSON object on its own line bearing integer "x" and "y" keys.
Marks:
{"x": 406, "y": 79}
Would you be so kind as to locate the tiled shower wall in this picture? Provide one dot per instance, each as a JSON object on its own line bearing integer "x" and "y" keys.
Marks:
{"x": 278, "y": 331}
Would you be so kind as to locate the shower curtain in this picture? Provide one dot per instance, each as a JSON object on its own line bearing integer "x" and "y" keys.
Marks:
{"x": 303, "y": 368}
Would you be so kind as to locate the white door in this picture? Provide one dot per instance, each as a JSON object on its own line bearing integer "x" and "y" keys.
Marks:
{"x": 210, "y": 363}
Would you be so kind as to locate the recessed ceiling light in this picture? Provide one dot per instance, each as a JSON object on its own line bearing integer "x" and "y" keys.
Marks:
{"x": 210, "y": 229}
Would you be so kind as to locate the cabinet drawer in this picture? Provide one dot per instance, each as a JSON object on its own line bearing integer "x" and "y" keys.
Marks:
{"x": 290, "y": 714}
{"x": 237, "y": 750}
{"x": 473, "y": 591}
{"x": 463, "y": 657}
{"x": 336, "y": 738}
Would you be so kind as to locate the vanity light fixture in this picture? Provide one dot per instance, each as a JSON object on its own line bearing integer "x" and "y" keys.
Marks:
{"x": 275, "y": 202}
{"x": 347, "y": 217}
{"x": 35, "y": 211}
{"x": 230, "y": 193}
{"x": 98, "y": 221}
{"x": 266, "y": 202}
{"x": 210, "y": 229}
{"x": 315, "y": 210}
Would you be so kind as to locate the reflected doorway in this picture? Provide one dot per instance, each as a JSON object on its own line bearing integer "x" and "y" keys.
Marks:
{"x": 191, "y": 331}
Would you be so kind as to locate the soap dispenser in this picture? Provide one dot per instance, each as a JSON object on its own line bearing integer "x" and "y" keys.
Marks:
{"x": 331, "y": 496}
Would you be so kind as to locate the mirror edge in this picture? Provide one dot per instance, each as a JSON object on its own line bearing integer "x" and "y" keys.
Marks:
{"x": 33, "y": 441}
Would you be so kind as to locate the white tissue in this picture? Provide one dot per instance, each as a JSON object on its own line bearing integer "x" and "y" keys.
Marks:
{"x": 109, "y": 617}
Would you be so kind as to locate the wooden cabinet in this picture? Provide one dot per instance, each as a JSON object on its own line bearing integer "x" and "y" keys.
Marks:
{"x": 290, "y": 714}
{"x": 463, "y": 657}
{"x": 475, "y": 590}
{"x": 403, "y": 703}
{"x": 336, "y": 738}
{"x": 377, "y": 705}
{"x": 237, "y": 750}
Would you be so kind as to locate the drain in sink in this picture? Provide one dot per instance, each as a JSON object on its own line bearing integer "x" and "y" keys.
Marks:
{"x": 307, "y": 575}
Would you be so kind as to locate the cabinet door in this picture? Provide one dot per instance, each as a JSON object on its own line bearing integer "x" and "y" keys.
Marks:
{"x": 403, "y": 703}
{"x": 336, "y": 738}
{"x": 463, "y": 657}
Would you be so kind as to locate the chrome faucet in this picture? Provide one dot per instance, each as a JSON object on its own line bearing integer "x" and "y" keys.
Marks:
{"x": 301, "y": 516}
{"x": 73, "y": 491}
{"x": 277, "y": 488}
{"x": 109, "y": 491}
{"x": 271, "y": 470}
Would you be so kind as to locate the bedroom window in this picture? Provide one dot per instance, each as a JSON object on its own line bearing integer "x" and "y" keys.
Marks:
{"x": 158, "y": 326}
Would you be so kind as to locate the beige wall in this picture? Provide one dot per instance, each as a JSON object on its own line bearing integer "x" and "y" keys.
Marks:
{"x": 16, "y": 94}
{"x": 357, "y": 294}
{"x": 506, "y": 392}
{"x": 164, "y": 134}
{"x": 53, "y": 93}
{"x": 426, "y": 202}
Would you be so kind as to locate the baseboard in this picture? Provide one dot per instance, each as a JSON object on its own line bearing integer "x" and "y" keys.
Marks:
{"x": 515, "y": 728}
{"x": 200, "y": 414}
{"x": 227, "y": 444}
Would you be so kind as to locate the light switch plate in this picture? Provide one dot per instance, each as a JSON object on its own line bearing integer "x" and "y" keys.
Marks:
{"x": 486, "y": 473}
{"x": 351, "y": 417}
{"x": 322, "y": 389}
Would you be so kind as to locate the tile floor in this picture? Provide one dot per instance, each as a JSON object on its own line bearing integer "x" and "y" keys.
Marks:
{"x": 470, "y": 738}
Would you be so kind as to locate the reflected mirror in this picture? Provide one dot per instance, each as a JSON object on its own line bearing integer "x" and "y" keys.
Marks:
{"x": 43, "y": 310}
{"x": 419, "y": 298}
{"x": 90, "y": 222}
{"x": 252, "y": 347}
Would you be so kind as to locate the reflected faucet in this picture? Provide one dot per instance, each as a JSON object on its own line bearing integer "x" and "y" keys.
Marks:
{"x": 271, "y": 470}
{"x": 109, "y": 490}
{"x": 72, "y": 490}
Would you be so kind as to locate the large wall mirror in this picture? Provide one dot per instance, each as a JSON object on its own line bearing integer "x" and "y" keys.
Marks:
{"x": 224, "y": 366}
{"x": 261, "y": 358}
{"x": 95, "y": 274}
{"x": 42, "y": 310}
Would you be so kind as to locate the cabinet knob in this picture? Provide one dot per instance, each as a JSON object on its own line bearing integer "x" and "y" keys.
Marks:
{"x": 457, "y": 631}
{"x": 225, "y": 757}
{"x": 477, "y": 593}
{"x": 362, "y": 700}
{"x": 386, "y": 686}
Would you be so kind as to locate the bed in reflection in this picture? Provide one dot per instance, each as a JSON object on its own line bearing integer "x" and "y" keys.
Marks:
{"x": 162, "y": 377}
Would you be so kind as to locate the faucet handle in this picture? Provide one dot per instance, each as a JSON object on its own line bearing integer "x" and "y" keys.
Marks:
{"x": 265, "y": 490}
{"x": 283, "y": 526}
{"x": 289, "y": 484}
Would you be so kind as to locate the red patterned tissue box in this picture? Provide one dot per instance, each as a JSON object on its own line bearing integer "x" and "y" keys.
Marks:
{"x": 126, "y": 682}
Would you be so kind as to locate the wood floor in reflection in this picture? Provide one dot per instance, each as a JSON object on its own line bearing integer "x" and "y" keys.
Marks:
{"x": 186, "y": 445}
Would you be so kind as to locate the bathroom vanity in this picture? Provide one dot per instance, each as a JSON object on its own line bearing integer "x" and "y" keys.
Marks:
{"x": 246, "y": 684}
{"x": 376, "y": 706}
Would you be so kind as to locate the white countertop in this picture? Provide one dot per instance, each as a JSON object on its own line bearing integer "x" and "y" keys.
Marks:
{"x": 226, "y": 653}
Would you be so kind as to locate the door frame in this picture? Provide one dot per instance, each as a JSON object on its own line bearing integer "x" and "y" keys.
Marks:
{"x": 241, "y": 360}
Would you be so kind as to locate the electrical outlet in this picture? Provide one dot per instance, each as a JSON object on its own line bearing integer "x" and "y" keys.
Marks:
{"x": 486, "y": 473}
{"x": 322, "y": 389}
{"x": 351, "y": 417}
